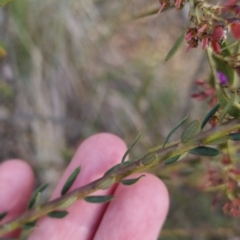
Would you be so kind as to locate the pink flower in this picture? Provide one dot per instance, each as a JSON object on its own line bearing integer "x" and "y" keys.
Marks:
{"x": 202, "y": 28}
{"x": 191, "y": 33}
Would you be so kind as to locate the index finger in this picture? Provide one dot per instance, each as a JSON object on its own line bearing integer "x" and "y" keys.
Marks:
{"x": 95, "y": 155}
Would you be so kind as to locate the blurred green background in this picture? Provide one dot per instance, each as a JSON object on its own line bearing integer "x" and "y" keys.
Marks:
{"x": 76, "y": 67}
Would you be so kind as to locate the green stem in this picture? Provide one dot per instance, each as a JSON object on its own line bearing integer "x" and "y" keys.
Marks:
{"x": 121, "y": 171}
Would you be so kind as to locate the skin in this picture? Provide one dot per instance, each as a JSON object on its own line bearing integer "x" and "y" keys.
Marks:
{"x": 137, "y": 212}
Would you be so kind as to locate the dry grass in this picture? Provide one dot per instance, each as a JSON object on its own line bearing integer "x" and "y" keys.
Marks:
{"x": 77, "y": 67}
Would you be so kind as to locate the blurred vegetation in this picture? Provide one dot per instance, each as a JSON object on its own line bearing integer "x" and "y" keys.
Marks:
{"x": 75, "y": 68}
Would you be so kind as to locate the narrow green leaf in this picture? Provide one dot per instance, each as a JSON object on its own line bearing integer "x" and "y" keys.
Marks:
{"x": 153, "y": 12}
{"x": 29, "y": 225}
{"x": 205, "y": 151}
{"x": 227, "y": 107}
{"x": 107, "y": 183}
{"x": 235, "y": 136}
{"x": 190, "y": 130}
{"x": 118, "y": 166}
{"x": 129, "y": 182}
{"x": 58, "y": 214}
{"x": 124, "y": 164}
{"x": 98, "y": 199}
{"x": 147, "y": 14}
{"x": 70, "y": 180}
{"x": 130, "y": 148}
{"x": 3, "y": 215}
{"x": 35, "y": 195}
{"x": 149, "y": 158}
{"x": 112, "y": 169}
{"x": 209, "y": 115}
{"x": 175, "y": 47}
{"x": 224, "y": 96}
{"x": 172, "y": 160}
{"x": 173, "y": 130}
{"x": 68, "y": 202}
{"x": 3, "y": 2}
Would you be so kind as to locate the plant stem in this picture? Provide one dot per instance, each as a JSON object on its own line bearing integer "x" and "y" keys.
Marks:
{"x": 121, "y": 171}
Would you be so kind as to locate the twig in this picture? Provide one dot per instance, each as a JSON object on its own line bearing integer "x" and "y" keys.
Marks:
{"x": 122, "y": 170}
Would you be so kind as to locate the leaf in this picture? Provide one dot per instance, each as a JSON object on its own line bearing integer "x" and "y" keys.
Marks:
{"x": 190, "y": 130}
{"x": 118, "y": 166}
{"x": 147, "y": 14}
{"x": 35, "y": 195}
{"x": 58, "y": 214}
{"x": 3, "y": 215}
{"x": 173, "y": 130}
{"x": 209, "y": 115}
{"x": 175, "y": 47}
{"x": 124, "y": 164}
{"x": 130, "y": 148}
{"x": 70, "y": 180}
{"x": 149, "y": 158}
{"x": 172, "y": 160}
{"x": 69, "y": 201}
{"x": 153, "y": 12}
{"x": 107, "y": 183}
{"x": 129, "y": 182}
{"x": 112, "y": 169}
{"x": 29, "y": 225}
{"x": 3, "y": 2}
{"x": 227, "y": 107}
{"x": 224, "y": 98}
{"x": 235, "y": 136}
{"x": 98, "y": 199}
{"x": 205, "y": 151}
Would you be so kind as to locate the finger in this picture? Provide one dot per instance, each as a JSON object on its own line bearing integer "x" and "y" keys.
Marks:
{"x": 16, "y": 185}
{"x": 137, "y": 211}
{"x": 96, "y": 155}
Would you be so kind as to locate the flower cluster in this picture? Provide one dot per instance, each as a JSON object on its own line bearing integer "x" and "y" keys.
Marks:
{"x": 206, "y": 92}
{"x": 211, "y": 28}
{"x": 206, "y": 34}
{"x": 232, "y": 206}
{"x": 233, "y": 21}
{"x": 227, "y": 180}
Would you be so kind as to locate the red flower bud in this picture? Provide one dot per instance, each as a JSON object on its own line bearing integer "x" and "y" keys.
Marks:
{"x": 216, "y": 47}
{"x": 235, "y": 29}
{"x": 218, "y": 33}
{"x": 205, "y": 42}
{"x": 178, "y": 3}
{"x": 213, "y": 121}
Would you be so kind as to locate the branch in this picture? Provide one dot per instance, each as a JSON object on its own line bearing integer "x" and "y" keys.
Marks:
{"x": 122, "y": 170}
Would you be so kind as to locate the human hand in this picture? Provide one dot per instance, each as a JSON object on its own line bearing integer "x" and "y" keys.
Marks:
{"x": 137, "y": 211}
